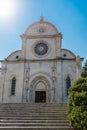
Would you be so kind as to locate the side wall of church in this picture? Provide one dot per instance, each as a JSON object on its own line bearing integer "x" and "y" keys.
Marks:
{"x": 68, "y": 70}
{"x": 12, "y": 71}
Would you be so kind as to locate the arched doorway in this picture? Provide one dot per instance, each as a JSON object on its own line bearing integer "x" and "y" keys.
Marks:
{"x": 40, "y": 91}
{"x": 40, "y": 96}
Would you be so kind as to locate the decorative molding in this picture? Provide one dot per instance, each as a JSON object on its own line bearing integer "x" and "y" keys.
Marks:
{"x": 41, "y": 36}
{"x": 33, "y": 85}
{"x": 37, "y": 60}
{"x": 41, "y": 73}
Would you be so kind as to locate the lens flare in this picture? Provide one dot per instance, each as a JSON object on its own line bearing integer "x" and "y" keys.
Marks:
{"x": 6, "y": 9}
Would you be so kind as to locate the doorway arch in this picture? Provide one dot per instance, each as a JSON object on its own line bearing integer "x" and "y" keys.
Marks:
{"x": 40, "y": 86}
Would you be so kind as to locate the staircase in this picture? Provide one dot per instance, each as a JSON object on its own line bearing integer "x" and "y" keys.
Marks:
{"x": 44, "y": 116}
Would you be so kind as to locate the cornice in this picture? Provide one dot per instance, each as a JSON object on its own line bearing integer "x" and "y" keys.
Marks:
{"x": 39, "y": 60}
{"x": 41, "y": 36}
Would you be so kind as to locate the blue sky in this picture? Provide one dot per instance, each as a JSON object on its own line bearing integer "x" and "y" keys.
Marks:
{"x": 69, "y": 16}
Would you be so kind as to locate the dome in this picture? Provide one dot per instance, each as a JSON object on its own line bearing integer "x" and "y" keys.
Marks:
{"x": 41, "y": 28}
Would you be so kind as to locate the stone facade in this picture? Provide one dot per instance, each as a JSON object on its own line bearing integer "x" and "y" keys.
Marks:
{"x": 42, "y": 71}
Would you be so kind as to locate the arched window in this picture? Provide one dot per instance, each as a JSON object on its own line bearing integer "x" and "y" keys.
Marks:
{"x": 68, "y": 83}
{"x": 13, "y": 85}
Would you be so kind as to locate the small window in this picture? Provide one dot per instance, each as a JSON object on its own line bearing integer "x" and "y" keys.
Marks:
{"x": 17, "y": 57}
{"x": 64, "y": 55}
{"x": 13, "y": 85}
{"x": 68, "y": 83}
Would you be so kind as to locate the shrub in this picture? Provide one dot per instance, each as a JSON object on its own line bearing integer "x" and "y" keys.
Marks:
{"x": 77, "y": 104}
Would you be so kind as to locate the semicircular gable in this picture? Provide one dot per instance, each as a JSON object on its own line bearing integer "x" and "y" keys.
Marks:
{"x": 15, "y": 55}
{"x": 41, "y": 28}
{"x": 67, "y": 53}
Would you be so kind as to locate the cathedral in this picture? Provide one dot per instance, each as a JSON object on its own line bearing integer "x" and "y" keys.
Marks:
{"x": 42, "y": 71}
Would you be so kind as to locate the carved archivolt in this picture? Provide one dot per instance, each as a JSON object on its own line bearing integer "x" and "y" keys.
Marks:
{"x": 33, "y": 87}
{"x": 41, "y": 73}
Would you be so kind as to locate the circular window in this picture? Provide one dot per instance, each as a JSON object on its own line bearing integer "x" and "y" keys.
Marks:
{"x": 41, "y": 48}
{"x": 64, "y": 55}
{"x": 17, "y": 57}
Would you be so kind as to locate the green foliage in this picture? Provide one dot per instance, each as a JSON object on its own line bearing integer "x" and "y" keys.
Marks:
{"x": 77, "y": 104}
{"x": 84, "y": 70}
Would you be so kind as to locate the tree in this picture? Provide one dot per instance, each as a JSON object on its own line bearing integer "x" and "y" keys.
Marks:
{"x": 77, "y": 104}
{"x": 84, "y": 70}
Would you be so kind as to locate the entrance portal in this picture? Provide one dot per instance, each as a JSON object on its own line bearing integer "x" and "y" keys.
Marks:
{"x": 40, "y": 96}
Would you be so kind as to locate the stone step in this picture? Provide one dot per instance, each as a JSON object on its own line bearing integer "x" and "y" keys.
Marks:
{"x": 32, "y": 118}
{"x": 31, "y": 105}
{"x": 28, "y": 108}
{"x": 34, "y": 124}
{"x": 25, "y": 112}
{"x": 33, "y": 121}
{"x": 36, "y": 128}
{"x": 34, "y": 104}
{"x": 36, "y": 109}
{"x": 39, "y": 116}
{"x": 32, "y": 110}
{"x": 34, "y": 113}
{"x": 42, "y": 111}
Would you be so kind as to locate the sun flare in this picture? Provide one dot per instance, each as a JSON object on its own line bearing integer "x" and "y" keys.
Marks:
{"x": 6, "y": 9}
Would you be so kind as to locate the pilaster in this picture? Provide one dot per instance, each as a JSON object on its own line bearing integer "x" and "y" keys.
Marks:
{"x": 60, "y": 81}
{"x": 23, "y": 55}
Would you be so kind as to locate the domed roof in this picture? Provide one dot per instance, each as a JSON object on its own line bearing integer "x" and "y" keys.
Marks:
{"x": 41, "y": 28}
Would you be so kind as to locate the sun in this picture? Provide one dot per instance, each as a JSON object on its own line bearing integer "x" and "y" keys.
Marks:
{"x": 6, "y": 10}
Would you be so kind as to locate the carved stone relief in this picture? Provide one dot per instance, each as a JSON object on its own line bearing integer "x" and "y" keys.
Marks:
{"x": 26, "y": 83}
